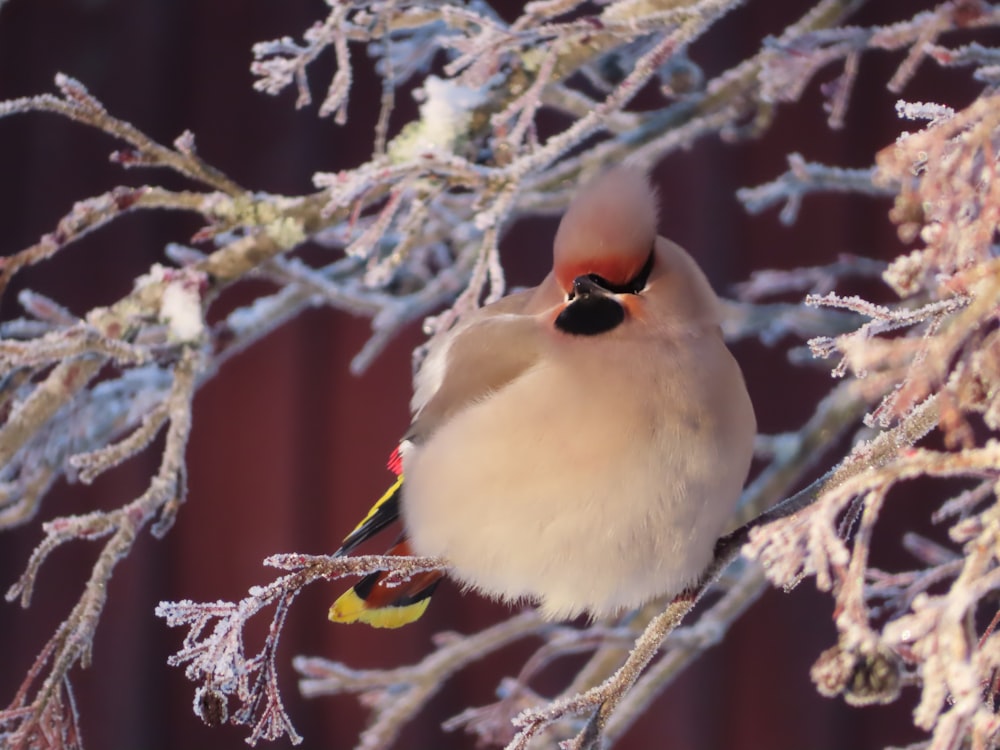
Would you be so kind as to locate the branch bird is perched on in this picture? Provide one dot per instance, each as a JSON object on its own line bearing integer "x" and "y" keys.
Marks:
{"x": 581, "y": 444}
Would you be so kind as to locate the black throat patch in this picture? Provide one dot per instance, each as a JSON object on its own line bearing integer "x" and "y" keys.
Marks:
{"x": 590, "y": 315}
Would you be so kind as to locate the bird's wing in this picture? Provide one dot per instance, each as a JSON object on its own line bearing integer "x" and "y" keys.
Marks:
{"x": 382, "y": 513}
{"x": 479, "y": 359}
{"x": 488, "y": 351}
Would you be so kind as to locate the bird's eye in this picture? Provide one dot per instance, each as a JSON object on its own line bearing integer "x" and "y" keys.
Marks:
{"x": 600, "y": 280}
{"x": 638, "y": 283}
{"x": 591, "y": 282}
{"x": 635, "y": 285}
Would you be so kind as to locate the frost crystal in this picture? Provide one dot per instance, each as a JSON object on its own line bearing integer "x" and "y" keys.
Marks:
{"x": 180, "y": 308}
{"x": 445, "y": 114}
{"x": 520, "y": 112}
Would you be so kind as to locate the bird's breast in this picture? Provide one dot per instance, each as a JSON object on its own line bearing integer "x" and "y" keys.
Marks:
{"x": 581, "y": 462}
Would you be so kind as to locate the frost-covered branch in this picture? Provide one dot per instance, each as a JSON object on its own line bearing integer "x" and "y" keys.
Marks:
{"x": 415, "y": 229}
{"x": 42, "y": 712}
{"x": 397, "y": 695}
{"x": 803, "y": 178}
{"x": 217, "y": 659}
{"x": 893, "y": 630}
{"x": 565, "y": 715}
{"x": 79, "y": 105}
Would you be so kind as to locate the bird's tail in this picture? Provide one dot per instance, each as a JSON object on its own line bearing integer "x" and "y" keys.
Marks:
{"x": 374, "y": 603}
{"x": 371, "y": 600}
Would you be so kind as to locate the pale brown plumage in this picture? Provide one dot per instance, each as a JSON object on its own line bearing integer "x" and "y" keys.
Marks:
{"x": 583, "y": 443}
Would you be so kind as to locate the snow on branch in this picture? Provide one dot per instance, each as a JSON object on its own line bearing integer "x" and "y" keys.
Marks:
{"x": 416, "y": 228}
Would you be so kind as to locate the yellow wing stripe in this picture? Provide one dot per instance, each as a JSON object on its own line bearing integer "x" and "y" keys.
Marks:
{"x": 374, "y": 509}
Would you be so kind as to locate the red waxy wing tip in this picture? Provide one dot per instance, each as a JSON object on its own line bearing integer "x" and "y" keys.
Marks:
{"x": 395, "y": 464}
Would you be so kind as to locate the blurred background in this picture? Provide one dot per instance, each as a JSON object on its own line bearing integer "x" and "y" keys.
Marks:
{"x": 289, "y": 449}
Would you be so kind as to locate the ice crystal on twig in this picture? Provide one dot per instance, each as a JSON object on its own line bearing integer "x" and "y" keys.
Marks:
{"x": 891, "y": 627}
{"x": 215, "y": 654}
{"x": 415, "y": 228}
{"x": 803, "y": 178}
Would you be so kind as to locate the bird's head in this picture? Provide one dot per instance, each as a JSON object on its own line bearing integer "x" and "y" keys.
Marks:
{"x": 605, "y": 250}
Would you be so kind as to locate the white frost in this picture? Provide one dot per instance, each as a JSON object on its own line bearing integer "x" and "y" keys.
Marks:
{"x": 930, "y": 111}
{"x": 444, "y": 117}
{"x": 180, "y": 309}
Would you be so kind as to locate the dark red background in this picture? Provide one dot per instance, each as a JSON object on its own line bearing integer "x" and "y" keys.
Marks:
{"x": 288, "y": 448}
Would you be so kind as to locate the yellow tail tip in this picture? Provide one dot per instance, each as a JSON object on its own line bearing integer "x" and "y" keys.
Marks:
{"x": 352, "y": 608}
{"x": 348, "y": 608}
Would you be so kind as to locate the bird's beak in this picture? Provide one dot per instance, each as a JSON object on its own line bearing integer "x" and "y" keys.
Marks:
{"x": 587, "y": 286}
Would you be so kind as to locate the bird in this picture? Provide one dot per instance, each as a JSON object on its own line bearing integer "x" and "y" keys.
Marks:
{"x": 580, "y": 445}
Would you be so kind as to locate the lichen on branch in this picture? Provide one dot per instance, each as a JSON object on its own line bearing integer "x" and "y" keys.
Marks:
{"x": 413, "y": 232}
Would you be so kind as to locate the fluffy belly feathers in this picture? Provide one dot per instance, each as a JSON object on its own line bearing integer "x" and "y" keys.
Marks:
{"x": 629, "y": 499}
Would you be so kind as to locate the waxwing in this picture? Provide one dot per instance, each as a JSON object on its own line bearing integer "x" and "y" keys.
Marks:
{"x": 581, "y": 444}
